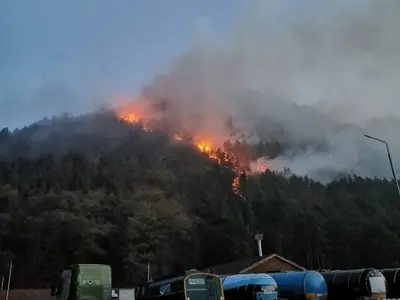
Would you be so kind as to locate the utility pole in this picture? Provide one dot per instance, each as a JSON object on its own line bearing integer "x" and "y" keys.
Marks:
{"x": 9, "y": 279}
{"x": 389, "y": 157}
{"x": 148, "y": 271}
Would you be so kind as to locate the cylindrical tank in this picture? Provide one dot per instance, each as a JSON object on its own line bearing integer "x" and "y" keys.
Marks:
{"x": 301, "y": 285}
{"x": 249, "y": 287}
{"x": 351, "y": 284}
{"x": 392, "y": 277}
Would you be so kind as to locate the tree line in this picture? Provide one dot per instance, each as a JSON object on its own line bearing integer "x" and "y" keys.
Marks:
{"x": 74, "y": 190}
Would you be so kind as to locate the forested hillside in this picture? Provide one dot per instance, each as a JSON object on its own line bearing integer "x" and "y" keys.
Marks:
{"x": 101, "y": 190}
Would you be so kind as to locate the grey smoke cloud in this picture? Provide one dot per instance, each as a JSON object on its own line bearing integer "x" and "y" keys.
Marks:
{"x": 301, "y": 72}
{"x": 323, "y": 77}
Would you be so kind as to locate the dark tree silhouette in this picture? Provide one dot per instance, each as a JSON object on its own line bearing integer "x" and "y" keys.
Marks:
{"x": 95, "y": 189}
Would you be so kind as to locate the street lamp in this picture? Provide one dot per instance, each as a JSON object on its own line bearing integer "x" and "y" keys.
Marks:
{"x": 390, "y": 158}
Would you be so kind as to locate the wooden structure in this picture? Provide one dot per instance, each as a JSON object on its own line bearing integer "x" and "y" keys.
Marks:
{"x": 261, "y": 264}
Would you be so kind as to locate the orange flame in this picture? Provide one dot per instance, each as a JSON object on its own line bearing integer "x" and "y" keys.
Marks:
{"x": 141, "y": 111}
{"x": 236, "y": 185}
{"x": 135, "y": 112}
{"x": 204, "y": 147}
{"x": 131, "y": 118}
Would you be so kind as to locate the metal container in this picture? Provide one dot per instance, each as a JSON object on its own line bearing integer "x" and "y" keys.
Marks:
{"x": 301, "y": 285}
{"x": 392, "y": 277}
{"x": 351, "y": 284}
{"x": 249, "y": 287}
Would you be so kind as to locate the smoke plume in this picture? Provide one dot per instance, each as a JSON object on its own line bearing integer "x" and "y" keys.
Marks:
{"x": 315, "y": 76}
{"x": 316, "y": 80}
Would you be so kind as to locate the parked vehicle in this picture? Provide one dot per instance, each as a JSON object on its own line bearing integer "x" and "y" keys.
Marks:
{"x": 250, "y": 287}
{"x": 392, "y": 277}
{"x": 194, "y": 285}
{"x": 353, "y": 284}
{"x": 84, "y": 281}
{"x": 301, "y": 285}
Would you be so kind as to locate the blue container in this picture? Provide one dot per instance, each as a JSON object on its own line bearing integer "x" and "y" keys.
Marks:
{"x": 249, "y": 287}
{"x": 301, "y": 285}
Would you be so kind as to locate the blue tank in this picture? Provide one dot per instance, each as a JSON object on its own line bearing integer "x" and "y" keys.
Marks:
{"x": 301, "y": 285}
{"x": 249, "y": 287}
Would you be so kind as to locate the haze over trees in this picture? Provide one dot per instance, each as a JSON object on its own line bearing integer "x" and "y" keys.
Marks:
{"x": 96, "y": 189}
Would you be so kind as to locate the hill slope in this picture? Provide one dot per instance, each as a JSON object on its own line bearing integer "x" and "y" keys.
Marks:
{"x": 81, "y": 189}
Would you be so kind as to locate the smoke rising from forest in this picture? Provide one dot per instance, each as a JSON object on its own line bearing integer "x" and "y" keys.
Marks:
{"x": 317, "y": 82}
{"x": 315, "y": 78}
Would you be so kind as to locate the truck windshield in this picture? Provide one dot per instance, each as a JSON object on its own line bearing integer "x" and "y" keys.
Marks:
{"x": 378, "y": 285}
{"x": 203, "y": 287}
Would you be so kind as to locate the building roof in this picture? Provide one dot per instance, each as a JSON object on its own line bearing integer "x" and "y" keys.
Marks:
{"x": 242, "y": 266}
{"x": 235, "y": 266}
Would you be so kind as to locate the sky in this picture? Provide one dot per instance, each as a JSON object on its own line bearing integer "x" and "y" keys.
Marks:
{"x": 338, "y": 58}
{"x": 73, "y": 55}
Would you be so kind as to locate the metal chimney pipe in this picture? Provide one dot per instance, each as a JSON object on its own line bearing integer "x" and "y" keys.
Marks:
{"x": 259, "y": 237}
{"x": 259, "y": 248}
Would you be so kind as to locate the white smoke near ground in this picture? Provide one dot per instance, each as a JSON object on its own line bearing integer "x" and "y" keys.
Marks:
{"x": 316, "y": 80}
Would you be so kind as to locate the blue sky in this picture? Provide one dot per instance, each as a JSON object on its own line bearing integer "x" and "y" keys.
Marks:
{"x": 58, "y": 56}
{"x": 74, "y": 55}
{"x": 71, "y": 55}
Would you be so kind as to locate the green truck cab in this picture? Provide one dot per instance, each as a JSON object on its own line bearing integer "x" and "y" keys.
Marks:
{"x": 84, "y": 282}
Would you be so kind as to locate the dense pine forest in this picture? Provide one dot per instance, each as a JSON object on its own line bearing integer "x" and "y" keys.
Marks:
{"x": 96, "y": 189}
